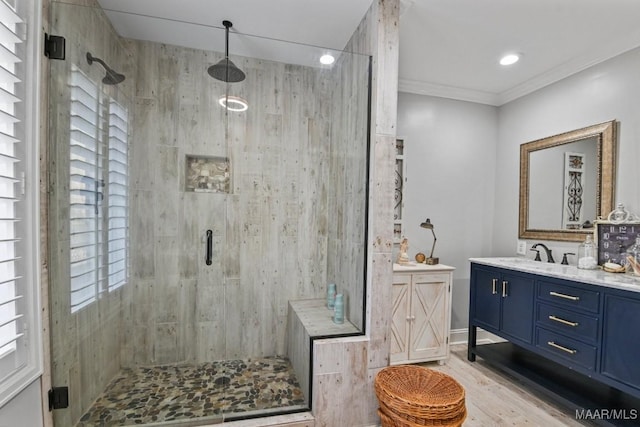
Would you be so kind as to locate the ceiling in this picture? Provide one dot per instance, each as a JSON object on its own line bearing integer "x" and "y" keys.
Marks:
{"x": 448, "y": 48}
{"x": 452, "y": 47}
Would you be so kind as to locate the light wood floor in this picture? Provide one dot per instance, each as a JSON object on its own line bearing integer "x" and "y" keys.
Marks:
{"x": 495, "y": 399}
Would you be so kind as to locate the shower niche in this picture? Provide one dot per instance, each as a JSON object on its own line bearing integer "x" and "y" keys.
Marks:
{"x": 207, "y": 174}
{"x": 290, "y": 170}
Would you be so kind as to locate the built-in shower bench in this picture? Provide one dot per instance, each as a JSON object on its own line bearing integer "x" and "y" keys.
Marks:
{"x": 307, "y": 320}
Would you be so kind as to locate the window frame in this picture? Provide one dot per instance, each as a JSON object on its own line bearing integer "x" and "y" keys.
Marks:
{"x": 30, "y": 11}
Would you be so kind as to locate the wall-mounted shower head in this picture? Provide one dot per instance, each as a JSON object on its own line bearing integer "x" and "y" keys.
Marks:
{"x": 226, "y": 70}
{"x": 112, "y": 77}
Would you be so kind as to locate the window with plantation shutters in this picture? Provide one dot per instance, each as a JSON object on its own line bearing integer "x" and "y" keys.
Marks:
{"x": 19, "y": 325}
{"x": 118, "y": 196}
{"x": 10, "y": 190}
{"x": 98, "y": 192}
{"x": 85, "y": 189}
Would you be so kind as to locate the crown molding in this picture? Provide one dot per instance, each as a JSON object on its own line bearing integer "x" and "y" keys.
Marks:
{"x": 451, "y": 92}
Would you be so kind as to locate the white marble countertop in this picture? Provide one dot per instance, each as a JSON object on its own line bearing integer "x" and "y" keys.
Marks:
{"x": 412, "y": 267}
{"x": 625, "y": 281}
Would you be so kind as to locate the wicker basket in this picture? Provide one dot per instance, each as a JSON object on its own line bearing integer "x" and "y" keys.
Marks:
{"x": 405, "y": 420}
{"x": 420, "y": 396}
{"x": 391, "y": 419}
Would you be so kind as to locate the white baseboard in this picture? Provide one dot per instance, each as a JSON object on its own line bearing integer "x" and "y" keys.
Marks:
{"x": 461, "y": 336}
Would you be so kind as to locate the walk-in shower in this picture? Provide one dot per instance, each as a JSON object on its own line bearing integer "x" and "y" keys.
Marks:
{"x": 188, "y": 240}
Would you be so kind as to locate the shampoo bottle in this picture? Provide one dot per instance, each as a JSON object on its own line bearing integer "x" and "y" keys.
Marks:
{"x": 338, "y": 311}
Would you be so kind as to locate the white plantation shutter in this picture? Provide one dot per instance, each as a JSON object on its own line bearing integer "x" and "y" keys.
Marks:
{"x": 85, "y": 188}
{"x": 118, "y": 195}
{"x": 11, "y": 292}
{"x": 19, "y": 323}
{"x": 99, "y": 237}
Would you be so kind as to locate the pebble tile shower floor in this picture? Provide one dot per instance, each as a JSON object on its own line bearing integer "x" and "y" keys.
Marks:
{"x": 172, "y": 393}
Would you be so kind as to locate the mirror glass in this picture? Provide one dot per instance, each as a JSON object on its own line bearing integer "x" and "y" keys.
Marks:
{"x": 566, "y": 183}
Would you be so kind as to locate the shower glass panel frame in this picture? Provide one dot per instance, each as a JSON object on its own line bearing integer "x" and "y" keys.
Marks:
{"x": 184, "y": 245}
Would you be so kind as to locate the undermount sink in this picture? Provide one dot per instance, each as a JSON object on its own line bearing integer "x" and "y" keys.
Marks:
{"x": 531, "y": 264}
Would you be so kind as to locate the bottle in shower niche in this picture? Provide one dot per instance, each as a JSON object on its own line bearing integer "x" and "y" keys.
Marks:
{"x": 338, "y": 310}
{"x": 331, "y": 296}
{"x": 588, "y": 254}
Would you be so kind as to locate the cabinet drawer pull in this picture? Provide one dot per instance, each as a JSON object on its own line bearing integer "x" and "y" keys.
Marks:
{"x": 556, "y": 294}
{"x": 504, "y": 288}
{"x": 565, "y": 322}
{"x": 559, "y": 347}
{"x": 493, "y": 289}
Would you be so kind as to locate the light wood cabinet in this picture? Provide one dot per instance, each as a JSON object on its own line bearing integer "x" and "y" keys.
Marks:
{"x": 421, "y": 318}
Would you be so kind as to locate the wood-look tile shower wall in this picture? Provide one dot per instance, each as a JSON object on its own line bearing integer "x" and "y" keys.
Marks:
{"x": 297, "y": 183}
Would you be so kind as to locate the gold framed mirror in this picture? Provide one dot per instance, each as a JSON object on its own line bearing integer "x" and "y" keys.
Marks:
{"x": 567, "y": 182}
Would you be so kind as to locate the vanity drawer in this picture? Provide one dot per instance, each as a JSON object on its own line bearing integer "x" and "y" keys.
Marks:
{"x": 574, "y": 351}
{"x": 569, "y": 296}
{"x": 571, "y": 323}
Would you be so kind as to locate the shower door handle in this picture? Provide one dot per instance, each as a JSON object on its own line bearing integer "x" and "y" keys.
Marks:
{"x": 99, "y": 183}
{"x": 209, "y": 250}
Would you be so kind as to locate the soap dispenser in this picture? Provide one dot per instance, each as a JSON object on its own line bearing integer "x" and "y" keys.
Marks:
{"x": 588, "y": 254}
{"x": 633, "y": 257}
{"x": 331, "y": 296}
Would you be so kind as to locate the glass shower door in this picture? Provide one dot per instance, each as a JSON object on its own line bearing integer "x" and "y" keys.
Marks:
{"x": 90, "y": 128}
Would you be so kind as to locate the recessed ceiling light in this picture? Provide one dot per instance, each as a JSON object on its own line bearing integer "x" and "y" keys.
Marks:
{"x": 233, "y": 103}
{"x": 509, "y": 59}
{"x": 327, "y": 59}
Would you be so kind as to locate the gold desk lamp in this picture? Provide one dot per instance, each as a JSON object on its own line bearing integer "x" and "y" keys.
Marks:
{"x": 429, "y": 226}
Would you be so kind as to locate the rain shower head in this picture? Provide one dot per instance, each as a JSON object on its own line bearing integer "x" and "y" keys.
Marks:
{"x": 225, "y": 70}
{"x": 111, "y": 77}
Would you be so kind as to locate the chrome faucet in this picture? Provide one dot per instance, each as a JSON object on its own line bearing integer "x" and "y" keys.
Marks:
{"x": 546, "y": 249}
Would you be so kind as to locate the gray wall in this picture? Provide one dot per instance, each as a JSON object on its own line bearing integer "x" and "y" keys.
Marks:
{"x": 464, "y": 161}
{"x": 450, "y": 150}
{"x": 23, "y": 410}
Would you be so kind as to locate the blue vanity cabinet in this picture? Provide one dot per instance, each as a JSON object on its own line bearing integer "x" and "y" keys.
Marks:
{"x": 574, "y": 335}
{"x": 621, "y": 340}
{"x": 502, "y": 302}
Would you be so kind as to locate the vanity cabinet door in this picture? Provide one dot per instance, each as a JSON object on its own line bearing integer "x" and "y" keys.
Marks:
{"x": 486, "y": 297}
{"x": 517, "y": 293}
{"x": 503, "y": 302}
{"x": 400, "y": 318}
{"x": 430, "y": 316}
{"x": 621, "y": 340}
